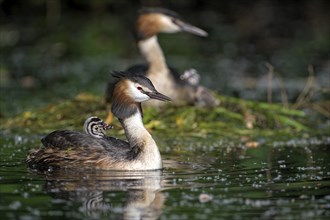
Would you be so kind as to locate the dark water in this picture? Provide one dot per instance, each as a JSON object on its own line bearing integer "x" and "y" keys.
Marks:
{"x": 213, "y": 179}
{"x": 45, "y": 59}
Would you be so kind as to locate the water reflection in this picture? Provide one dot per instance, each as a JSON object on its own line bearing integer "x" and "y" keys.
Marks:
{"x": 201, "y": 180}
{"x": 143, "y": 197}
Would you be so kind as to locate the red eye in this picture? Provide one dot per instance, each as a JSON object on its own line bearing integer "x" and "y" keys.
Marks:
{"x": 139, "y": 88}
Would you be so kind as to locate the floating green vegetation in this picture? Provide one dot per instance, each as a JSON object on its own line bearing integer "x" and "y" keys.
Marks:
{"x": 234, "y": 118}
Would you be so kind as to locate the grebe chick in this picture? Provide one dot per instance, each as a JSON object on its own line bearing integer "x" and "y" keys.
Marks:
{"x": 72, "y": 149}
{"x": 150, "y": 22}
{"x": 96, "y": 127}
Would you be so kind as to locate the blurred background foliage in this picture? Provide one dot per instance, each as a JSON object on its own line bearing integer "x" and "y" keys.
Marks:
{"x": 52, "y": 50}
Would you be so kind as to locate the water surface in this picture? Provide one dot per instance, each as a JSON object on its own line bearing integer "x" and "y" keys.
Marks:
{"x": 49, "y": 61}
{"x": 211, "y": 179}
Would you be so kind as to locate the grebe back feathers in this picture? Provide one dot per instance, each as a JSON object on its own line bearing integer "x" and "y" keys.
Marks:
{"x": 72, "y": 149}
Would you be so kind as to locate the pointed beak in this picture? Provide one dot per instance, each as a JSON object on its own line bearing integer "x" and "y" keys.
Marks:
{"x": 191, "y": 29}
{"x": 158, "y": 96}
{"x": 106, "y": 126}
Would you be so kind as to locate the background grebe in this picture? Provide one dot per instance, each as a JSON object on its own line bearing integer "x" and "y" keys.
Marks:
{"x": 151, "y": 22}
{"x": 96, "y": 127}
{"x": 72, "y": 149}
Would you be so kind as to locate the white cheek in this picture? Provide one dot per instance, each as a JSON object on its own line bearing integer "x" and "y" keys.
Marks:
{"x": 137, "y": 95}
{"x": 141, "y": 97}
{"x": 168, "y": 26}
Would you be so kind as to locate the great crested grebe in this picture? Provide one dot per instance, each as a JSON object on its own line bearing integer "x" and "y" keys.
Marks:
{"x": 72, "y": 149}
{"x": 151, "y": 22}
{"x": 96, "y": 127}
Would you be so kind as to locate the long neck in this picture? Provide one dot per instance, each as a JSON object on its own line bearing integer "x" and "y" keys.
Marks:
{"x": 153, "y": 54}
{"x": 134, "y": 129}
{"x": 140, "y": 139}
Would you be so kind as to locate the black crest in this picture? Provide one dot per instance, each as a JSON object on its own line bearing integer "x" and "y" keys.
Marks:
{"x": 160, "y": 11}
{"x": 137, "y": 77}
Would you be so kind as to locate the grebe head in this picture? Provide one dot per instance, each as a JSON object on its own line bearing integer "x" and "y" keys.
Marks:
{"x": 96, "y": 127}
{"x": 72, "y": 149}
{"x": 130, "y": 90}
{"x": 152, "y": 21}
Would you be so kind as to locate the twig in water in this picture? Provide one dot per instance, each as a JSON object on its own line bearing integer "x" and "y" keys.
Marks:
{"x": 270, "y": 82}
{"x": 284, "y": 94}
{"x": 321, "y": 110}
{"x": 308, "y": 90}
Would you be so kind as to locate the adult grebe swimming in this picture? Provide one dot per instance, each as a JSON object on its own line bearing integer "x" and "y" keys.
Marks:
{"x": 72, "y": 149}
{"x": 150, "y": 22}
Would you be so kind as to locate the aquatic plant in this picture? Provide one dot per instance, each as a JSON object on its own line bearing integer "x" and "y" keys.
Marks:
{"x": 234, "y": 117}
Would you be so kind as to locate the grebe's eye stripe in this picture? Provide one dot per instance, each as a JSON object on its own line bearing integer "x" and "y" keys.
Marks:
{"x": 94, "y": 130}
{"x": 91, "y": 128}
{"x": 95, "y": 119}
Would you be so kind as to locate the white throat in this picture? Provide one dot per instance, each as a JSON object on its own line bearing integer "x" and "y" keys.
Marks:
{"x": 134, "y": 128}
{"x": 153, "y": 54}
{"x": 137, "y": 134}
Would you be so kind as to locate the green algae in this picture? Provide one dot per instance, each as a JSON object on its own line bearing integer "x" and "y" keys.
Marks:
{"x": 234, "y": 118}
